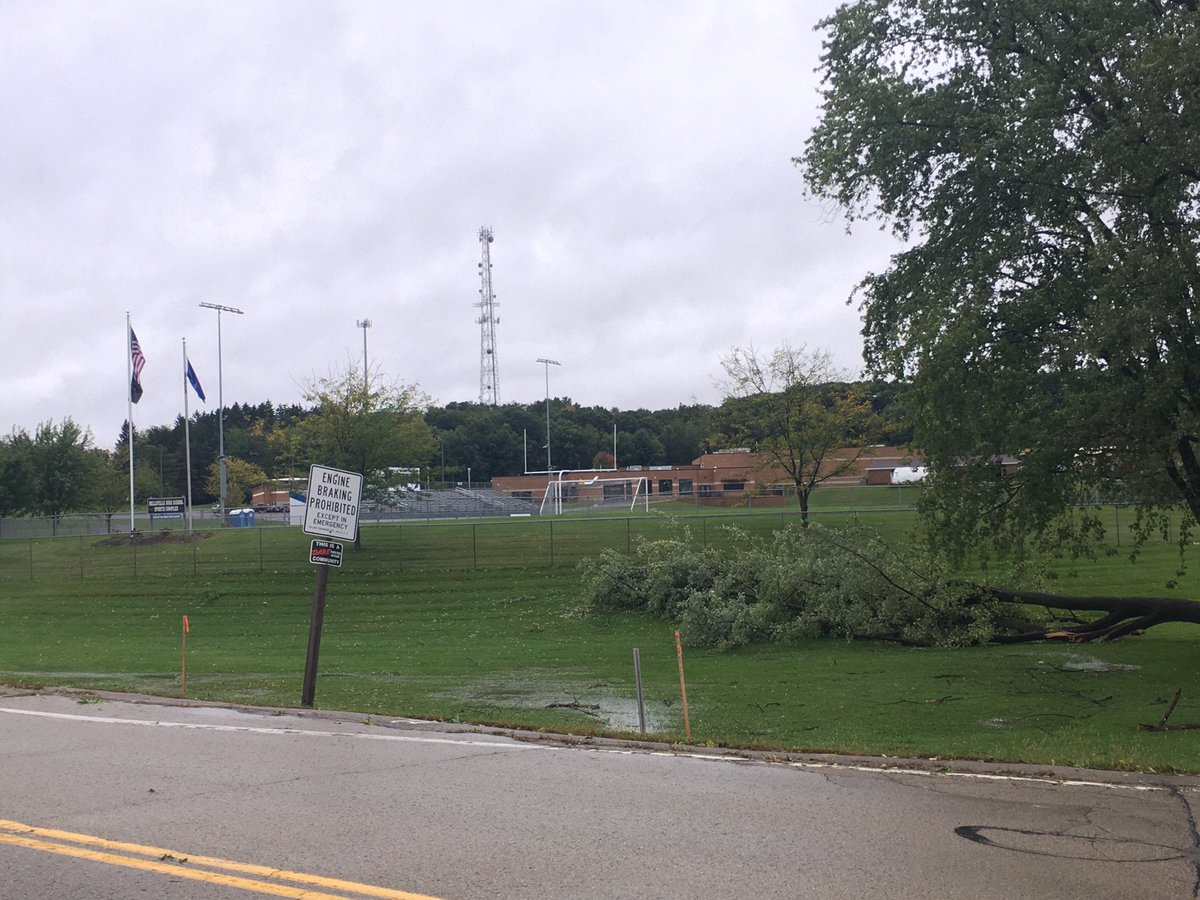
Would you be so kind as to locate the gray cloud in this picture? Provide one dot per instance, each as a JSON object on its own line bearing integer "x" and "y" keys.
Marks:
{"x": 316, "y": 163}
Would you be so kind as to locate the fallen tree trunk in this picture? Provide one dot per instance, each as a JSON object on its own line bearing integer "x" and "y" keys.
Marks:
{"x": 1125, "y": 615}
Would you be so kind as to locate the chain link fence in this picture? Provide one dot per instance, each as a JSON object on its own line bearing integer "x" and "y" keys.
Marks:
{"x": 385, "y": 547}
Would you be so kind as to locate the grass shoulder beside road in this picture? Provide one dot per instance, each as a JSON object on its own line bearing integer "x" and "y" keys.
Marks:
{"x": 511, "y": 644}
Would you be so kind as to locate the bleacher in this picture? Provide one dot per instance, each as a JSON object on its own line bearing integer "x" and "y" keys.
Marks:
{"x": 456, "y": 503}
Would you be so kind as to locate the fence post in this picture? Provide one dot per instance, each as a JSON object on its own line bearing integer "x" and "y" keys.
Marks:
{"x": 133, "y": 540}
{"x": 193, "y": 554}
{"x": 400, "y": 546}
{"x": 81, "y": 557}
{"x": 552, "y": 543}
{"x": 628, "y": 538}
{"x": 474, "y": 548}
{"x": 260, "y": 550}
{"x": 31, "y": 559}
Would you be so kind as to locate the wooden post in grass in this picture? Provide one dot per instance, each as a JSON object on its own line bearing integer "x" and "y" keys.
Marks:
{"x": 308, "y": 691}
{"x": 186, "y": 629}
{"x": 637, "y": 676}
{"x": 687, "y": 726}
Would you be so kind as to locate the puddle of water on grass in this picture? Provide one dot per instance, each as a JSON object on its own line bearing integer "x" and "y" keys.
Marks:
{"x": 536, "y": 690}
{"x": 1076, "y": 662}
{"x": 546, "y": 689}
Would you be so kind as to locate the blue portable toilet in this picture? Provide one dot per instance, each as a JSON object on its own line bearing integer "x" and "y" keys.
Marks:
{"x": 241, "y": 518}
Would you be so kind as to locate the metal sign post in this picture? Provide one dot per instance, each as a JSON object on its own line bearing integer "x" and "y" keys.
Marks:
{"x": 331, "y": 511}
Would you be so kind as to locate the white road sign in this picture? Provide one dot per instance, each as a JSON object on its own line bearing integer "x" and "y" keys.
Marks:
{"x": 332, "y": 506}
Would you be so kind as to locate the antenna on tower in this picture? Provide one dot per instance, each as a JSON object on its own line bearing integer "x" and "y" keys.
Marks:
{"x": 489, "y": 388}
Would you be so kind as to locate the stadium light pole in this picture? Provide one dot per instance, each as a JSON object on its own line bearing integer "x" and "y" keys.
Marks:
{"x": 221, "y": 406}
{"x": 364, "y": 324}
{"x": 548, "y": 363}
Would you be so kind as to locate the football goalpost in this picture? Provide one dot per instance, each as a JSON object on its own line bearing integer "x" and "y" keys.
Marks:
{"x": 560, "y": 490}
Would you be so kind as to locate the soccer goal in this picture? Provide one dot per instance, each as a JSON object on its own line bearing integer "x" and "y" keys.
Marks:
{"x": 595, "y": 491}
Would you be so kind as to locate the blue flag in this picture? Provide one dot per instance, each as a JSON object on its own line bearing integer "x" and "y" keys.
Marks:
{"x": 195, "y": 382}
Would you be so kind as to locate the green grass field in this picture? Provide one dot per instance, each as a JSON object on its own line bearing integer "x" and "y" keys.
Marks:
{"x": 483, "y": 622}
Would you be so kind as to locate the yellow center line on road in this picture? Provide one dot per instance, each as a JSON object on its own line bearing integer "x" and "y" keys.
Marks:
{"x": 77, "y": 845}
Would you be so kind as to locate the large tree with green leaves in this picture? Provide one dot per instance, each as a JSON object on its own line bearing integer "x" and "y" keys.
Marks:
{"x": 63, "y": 467}
{"x": 112, "y": 483}
{"x": 374, "y": 429}
{"x": 799, "y": 410}
{"x": 1039, "y": 159}
{"x": 16, "y": 473}
{"x": 241, "y": 478}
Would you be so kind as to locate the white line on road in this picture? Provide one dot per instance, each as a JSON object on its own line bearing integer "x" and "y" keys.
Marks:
{"x": 250, "y": 729}
{"x": 620, "y": 751}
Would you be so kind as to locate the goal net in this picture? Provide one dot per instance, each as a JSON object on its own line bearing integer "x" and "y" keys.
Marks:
{"x": 564, "y": 494}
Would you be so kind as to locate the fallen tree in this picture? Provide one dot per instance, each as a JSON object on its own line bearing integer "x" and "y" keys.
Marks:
{"x": 850, "y": 583}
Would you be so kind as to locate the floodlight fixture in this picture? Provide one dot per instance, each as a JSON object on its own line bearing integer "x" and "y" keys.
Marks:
{"x": 548, "y": 363}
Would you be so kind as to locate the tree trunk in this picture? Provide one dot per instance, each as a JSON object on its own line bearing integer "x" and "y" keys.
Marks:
{"x": 1125, "y": 615}
{"x": 1185, "y": 474}
{"x": 802, "y": 496}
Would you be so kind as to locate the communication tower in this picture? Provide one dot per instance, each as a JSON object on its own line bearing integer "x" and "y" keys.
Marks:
{"x": 489, "y": 386}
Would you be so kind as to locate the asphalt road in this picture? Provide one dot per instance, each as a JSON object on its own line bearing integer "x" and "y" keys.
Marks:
{"x": 121, "y": 799}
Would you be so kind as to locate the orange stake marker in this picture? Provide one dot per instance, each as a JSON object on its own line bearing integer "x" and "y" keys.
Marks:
{"x": 687, "y": 726}
{"x": 186, "y": 629}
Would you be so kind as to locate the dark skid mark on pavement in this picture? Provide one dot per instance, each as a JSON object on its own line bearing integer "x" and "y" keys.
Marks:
{"x": 1093, "y": 848}
{"x": 1008, "y": 839}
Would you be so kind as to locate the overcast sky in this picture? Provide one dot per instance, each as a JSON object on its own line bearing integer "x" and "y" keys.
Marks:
{"x": 314, "y": 164}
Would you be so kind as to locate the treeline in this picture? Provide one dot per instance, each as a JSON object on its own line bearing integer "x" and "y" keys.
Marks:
{"x": 61, "y": 468}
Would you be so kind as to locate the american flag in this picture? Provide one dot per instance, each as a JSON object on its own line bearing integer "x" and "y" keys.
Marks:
{"x": 135, "y": 352}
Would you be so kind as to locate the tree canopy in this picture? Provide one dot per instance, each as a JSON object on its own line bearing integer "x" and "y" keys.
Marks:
{"x": 371, "y": 429}
{"x": 799, "y": 410}
{"x": 1038, "y": 157}
{"x": 49, "y": 474}
{"x": 241, "y": 478}
{"x": 17, "y": 494}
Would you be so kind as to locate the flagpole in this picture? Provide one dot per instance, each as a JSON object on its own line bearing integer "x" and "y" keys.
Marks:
{"x": 187, "y": 436}
{"x": 129, "y": 403}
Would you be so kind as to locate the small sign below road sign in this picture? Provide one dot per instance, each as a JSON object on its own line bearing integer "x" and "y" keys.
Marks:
{"x": 326, "y": 553}
{"x": 332, "y": 506}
